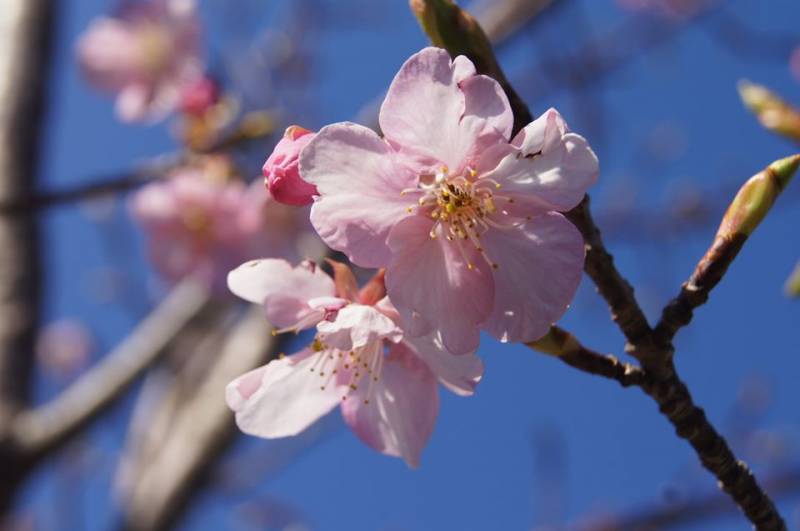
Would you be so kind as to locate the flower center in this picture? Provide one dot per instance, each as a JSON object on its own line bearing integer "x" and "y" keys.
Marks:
{"x": 463, "y": 206}
{"x": 348, "y": 370}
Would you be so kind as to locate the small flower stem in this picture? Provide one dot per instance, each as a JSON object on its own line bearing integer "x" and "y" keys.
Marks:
{"x": 748, "y": 209}
{"x": 562, "y": 345}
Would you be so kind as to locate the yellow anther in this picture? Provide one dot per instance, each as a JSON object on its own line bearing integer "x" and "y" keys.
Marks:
{"x": 410, "y": 209}
{"x": 470, "y": 266}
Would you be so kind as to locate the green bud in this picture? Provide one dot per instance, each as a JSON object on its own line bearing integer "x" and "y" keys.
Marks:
{"x": 454, "y": 29}
{"x": 793, "y": 283}
{"x": 556, "y": 342}
{"x": 756, "y": 197}
{"x": 773, "y": 113}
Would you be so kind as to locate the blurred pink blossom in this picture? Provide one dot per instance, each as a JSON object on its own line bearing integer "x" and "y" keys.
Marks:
{"x": 63, "y": 347}
{"x": 144, "y": 55}
{"x": 360, "y": 359}
{"x": 200, "y": 95}
{"x": 282, "y": 172}
{"x": 200, "y": 221}
{"x": 466, "y": 223}
{"x": 794, "y": 63}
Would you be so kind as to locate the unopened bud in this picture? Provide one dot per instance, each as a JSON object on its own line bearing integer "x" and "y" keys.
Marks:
{"x": 772, "y": 112}
{"x": 556, "y": 342}
{"x": 756, "y": 197}
{"x": 282, "y": 169}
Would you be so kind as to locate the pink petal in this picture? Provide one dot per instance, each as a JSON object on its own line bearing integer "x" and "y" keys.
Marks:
{"x": 402, "y": 408}
{"x": 539, "y": 270}
{"x": 430, "y": 277}
{"x": 442, "y": 112}
{"x": 357, "y": 325}
{"x": 551, "y": 168}
{"x": 285, "y": 401}
{"x": 359, "y": 183}
{"x": 284, "y": 290}
{"x": 460, "y": 373}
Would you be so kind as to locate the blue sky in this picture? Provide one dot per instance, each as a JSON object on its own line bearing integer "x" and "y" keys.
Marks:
{"x": 539, "y": 443}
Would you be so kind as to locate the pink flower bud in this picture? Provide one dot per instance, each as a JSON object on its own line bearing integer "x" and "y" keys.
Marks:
{"x": 199, "y": 96}
{"x": 282, "y": 169}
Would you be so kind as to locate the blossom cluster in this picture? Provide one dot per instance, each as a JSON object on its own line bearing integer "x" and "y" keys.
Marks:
{"x": 461, "y": 217}
{"x": 465, "y": 223}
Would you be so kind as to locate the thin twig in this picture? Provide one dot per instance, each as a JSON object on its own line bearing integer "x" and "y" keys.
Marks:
{"x": 745, "y": 213}
{"x": 692, "y": 510}
{"x": 562, "y": 345}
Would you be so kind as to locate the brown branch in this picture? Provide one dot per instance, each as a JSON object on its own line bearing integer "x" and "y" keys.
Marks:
{"x": 26, "y": 30}
{"x": 690, "y": 422}
{"x": 613, "y": 287}
{"x": 696, "y": 509}
{"x": 449, "y": 26}
{"x": 564, "y": 346}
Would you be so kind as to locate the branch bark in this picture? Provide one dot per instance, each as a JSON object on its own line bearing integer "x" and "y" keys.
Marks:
{"x": 26, "y": 30}
{"x": 690, "y": 422}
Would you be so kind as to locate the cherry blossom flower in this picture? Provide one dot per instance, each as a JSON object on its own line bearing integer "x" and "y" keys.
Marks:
{"x": 360, "y": 359}
{"x": 467, "y": 224}
{"x": 145, "y": 55}
{"x": 202, "y": 222}
{"x": 282, "y": 172}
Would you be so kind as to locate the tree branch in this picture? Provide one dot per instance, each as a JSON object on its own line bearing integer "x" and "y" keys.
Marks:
{"x": 199, "y": 433}
{"x": 450, "y": 27}
{"x": 734, "y": 476}
{"x": 695, "y": 509}
{"x": 93, "y": 189}
{"x": 36, "y": 433}
{"x": 564, "y": 346}
{"x": 748, "y": 209}
{"x": 690, "y": 422}
{"x": 26, "y": 30}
